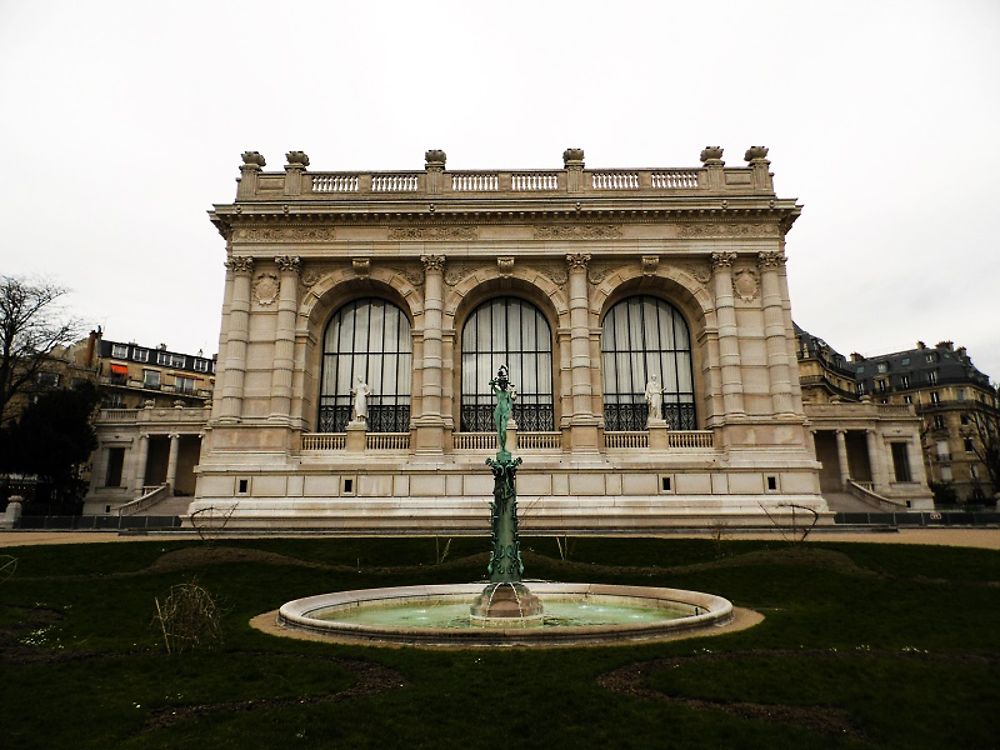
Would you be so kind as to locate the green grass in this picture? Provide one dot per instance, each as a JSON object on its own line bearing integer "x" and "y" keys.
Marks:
{"x": 863, "y": 646}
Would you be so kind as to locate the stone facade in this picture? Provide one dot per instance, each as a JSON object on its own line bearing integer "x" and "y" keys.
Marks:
{"x": 305, "y": 251}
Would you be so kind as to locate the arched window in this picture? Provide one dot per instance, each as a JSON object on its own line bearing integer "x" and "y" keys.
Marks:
{"x": 641, "y": 337}
{"x": 369, "y": 338}
{"x": 507, "y": 331}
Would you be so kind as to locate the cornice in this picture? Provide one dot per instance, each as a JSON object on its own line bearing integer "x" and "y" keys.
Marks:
{"x": 781, "y": 213}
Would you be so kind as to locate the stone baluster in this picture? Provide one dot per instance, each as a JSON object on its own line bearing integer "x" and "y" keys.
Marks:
{"x": 140, "y": 464}
{"x": 175, "y": 444}
{"x": 775, "y": 333}
{"x": 845, "y": 468}
{"x": 236, "y": 343}
{"x": 284, "y": 338}
{"x": 729, "y": 347}
{"x": 430, "y": 424}
{"x": 583, "y": 423}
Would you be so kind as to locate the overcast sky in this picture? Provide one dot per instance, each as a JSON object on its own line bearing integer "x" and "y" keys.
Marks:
{"x": 121, "y": 123}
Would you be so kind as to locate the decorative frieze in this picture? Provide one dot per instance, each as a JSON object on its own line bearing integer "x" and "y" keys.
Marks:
{"x": 578, "y": 232}
{"x": 285, "y": 234}
{"x": 433, "y": 233}
{"x": 729, "y": 230}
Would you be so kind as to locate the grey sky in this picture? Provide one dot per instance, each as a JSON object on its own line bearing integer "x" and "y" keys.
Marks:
{"x": 122, "y": 122}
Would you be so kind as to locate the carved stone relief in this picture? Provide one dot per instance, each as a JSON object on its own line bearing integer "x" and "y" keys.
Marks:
{"x": 433, "y": 233}
{"x": 650, "y": 264}
{"x": 294, "y": 234}
{"x": 457, "y": 272}
{"x": 729, "y": 230}
{"x": 746, "y": 284}
{"x": 505, "y": 265}
{"x": 265, "y": 288}
{"x": 578, "y": 232}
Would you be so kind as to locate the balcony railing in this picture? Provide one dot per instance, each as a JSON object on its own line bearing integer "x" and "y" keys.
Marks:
{"x": 676, "y": 440}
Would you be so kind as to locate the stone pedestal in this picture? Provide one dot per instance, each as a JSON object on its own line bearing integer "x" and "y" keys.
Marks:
{"x": 657, "y": 429}
{"x": 13, "y": 513}
{"x": 504, "y": 605}
{"x": 357, "y": 433}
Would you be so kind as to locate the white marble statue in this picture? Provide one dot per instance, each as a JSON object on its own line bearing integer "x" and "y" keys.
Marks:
{"x": 360, "y": 393}
{"x": 654, "y": 398}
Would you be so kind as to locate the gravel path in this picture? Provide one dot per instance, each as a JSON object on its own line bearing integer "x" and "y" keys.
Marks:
{"x": 980, "y": 538}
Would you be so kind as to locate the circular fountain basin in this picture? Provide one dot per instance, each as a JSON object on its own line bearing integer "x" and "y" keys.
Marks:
{"x": 574, "y": 613}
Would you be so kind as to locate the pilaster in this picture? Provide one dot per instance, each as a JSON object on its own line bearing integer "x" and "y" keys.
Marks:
{"x": 583, "y": 422}
{"x": 775, "y": 333}
{"x": 289, "y": 268}
{"x": 236, "y": 344}
{"x": 430, "y": 424}
{"x": 729, "y": 344}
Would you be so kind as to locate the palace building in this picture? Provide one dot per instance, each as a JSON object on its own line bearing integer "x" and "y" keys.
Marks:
{"x": 587, "y": 284}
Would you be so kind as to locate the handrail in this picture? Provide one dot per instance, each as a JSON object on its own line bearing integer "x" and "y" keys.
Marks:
{"x": 870, "y": 497}
{"x": 150, "y": 498}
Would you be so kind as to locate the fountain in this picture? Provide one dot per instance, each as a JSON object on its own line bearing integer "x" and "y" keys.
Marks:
{"x": 506, "y": 611}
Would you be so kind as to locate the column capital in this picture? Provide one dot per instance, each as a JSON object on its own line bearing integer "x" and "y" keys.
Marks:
{"x": 289, "y": 263}
{"x": 723, "y": 260}
{"x": 239, "y": 264}
{"x": 771, "y": 260}
{"x": 578, "y": 261}
{"x": 433, "y": 262}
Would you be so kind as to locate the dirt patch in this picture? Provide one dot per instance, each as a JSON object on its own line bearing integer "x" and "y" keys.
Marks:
{"x": 631, "y": 680}
{"x": 799, "y": 555}
{"x": 198, "y": 556}
{"x": 369, "y": 679}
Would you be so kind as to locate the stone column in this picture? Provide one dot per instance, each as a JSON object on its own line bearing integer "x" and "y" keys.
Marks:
{"x": 175, "y": 444}
{"x": 845, "y": 468}
{"x": 140, "y": 464}
{"x": 236, "y": 341}
{"x": 915, "y": 453}
{"x": 775, "y": 333}
{"x": 284, "y": 339}
{"x": 729, "y": 347}
{"x": 430, "y": 423}
{"x": 875, "y": 461}
{"x": 583, "y": 422}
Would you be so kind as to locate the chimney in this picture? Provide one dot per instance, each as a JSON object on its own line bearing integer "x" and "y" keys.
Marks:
{"x": 949, "y": 345}
{"x": 921, "y": 345}
{"x": 162, "y": 347}
{"x": 855, "y": 357}
{"x": 961, "y": 351}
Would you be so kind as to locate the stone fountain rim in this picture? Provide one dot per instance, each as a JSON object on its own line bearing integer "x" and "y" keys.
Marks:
{"x": 296, "y": 614}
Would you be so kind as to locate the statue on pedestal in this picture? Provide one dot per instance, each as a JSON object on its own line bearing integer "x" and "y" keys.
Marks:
{"x": 654, "y": 398}
{"x": 360, "y": 393}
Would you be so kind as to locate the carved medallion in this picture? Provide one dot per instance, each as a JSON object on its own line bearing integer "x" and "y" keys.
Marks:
{"x": 746, "y": 284}
{"x": 265, "y": 288}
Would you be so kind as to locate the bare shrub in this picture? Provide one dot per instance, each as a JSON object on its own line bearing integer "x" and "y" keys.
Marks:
{"x": 188, "y": 618}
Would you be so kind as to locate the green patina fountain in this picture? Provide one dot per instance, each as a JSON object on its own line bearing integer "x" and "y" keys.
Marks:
{"x": 506, "y": 597}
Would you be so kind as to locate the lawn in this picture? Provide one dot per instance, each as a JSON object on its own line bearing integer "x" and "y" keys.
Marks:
{"x": 862, "y": 646}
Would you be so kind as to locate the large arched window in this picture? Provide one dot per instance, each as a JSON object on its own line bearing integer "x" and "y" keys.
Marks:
{"x": 507, "y": 331}
{"x": 369, "y": 338}
{"x": 641, "y": 337}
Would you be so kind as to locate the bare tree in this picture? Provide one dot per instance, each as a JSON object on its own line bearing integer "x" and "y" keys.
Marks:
{"x": 986, "y": 442}
{"x": 31, "y": 326}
